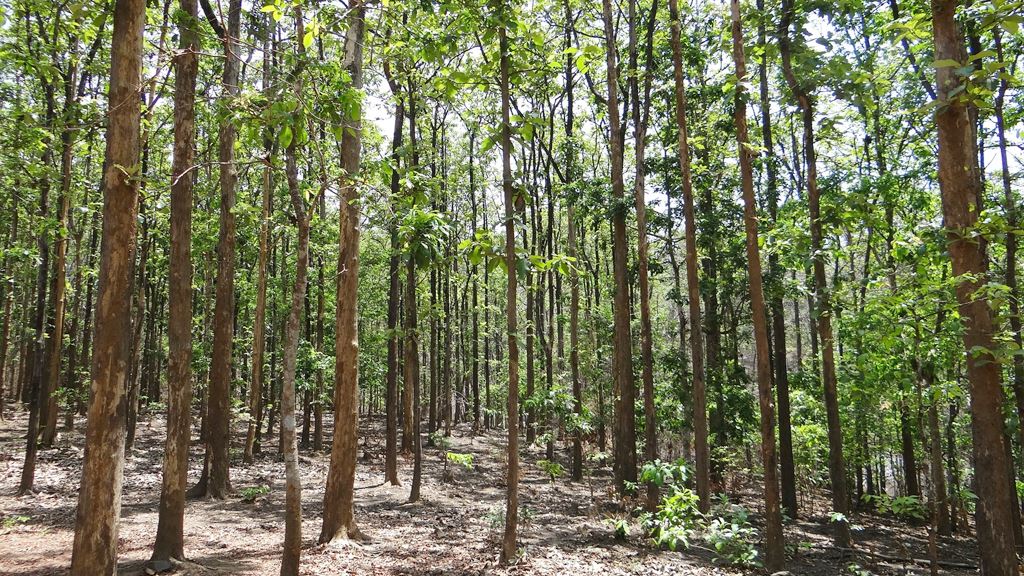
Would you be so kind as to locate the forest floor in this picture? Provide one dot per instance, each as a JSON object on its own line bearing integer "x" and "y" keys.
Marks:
{"x": 455, "y": 529}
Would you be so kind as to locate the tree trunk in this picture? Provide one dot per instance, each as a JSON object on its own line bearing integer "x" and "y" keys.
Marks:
{"x": 700, "y": 423}
{"x": 394, "y": 295}
{"x": 775, "y": 553}
{"x": 622, "y": 358}
{"x": 99, "y": 497}
{"x": 339, "y": 520}
{"x": 776, "y": 273}
{"x": 259, "y": 340}
{"x": 961, "y": 188}
{"x": 293, "y": 481}
{"x": 837, "y": 467}
{"x": 170, "y": 532}
{"x": 512, "y": 206}
{"x": 219, "y": 402}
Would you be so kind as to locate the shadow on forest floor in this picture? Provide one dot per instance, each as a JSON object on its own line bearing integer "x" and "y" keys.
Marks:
{"x": 454, "y": 529}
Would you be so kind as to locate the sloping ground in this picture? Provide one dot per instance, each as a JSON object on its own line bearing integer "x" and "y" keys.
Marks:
{"x": 455, "y": 529}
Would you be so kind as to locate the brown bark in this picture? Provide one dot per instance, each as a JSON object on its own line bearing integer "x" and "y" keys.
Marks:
{"x": 775, "y": 553}
{"x": 700, "y": 423}
{"x": 394, "y": 296}
{"x": 961, "y": 188}
{"x": 622, "y": 358}
{"x": 576, "y": 466}
{"x": 293, "y": 482}
{"x": 99, "y": 498}
{"x": 259, "y": 340}
{"x": 218, "y": 422}
{"x": 836, "y": 464}
{"x": 339, "y": 520}
{"x": 775, "y": 291}
{"x": 641, "y": 118}
{"x": 512, "y": 205}
{"x": 170, "y": 532}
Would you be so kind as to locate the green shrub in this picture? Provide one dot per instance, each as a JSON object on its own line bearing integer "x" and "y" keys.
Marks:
{"x": 251, "y": 493}
{"x": 552, "y": 469}
{"x": 676, "y": 520}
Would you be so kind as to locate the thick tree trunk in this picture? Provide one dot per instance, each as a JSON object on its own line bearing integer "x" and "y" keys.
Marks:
{"x": 775, "y": 553}
{"x": 99, "y": 497}
{"x": 700, "y": 423}
{"x": 622, "y": 364}
{"x": 170, "y": 532}
{"x": 339, "y": 520}
{"x": 960, "y": 184}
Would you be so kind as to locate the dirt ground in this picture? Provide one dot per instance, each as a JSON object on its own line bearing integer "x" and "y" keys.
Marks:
{"x": 456, "y": 528}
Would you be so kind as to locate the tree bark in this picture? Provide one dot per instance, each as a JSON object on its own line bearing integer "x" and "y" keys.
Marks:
{"x": 339, "y": 519}
{"x": 218, "y": 425}
{"x": 775, "y": 553}
{"x": 170, "y": 532}
{"x": 513, "y": 204}
{"x": 961, "y": 188}
{"x": 837, "y": 467}
{"x": 622, "y": 358}
{"x": 99, "y": 498}
{"x": 700, "y": 423}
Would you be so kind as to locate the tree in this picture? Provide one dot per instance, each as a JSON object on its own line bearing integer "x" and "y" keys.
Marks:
{"x": 775, "y": 553}
{"x": 622, "y": 360}
{"x": 339, "y": 519}
{"x": 217, "y": 484}
{"x": 700, "y": 423}
{"x": 170, "y": 532}
{"x": 961, "y": 188}
{"x": 836, "y": 464}
{"x": 512, "y": 205}
{"x": 99, "y": 497}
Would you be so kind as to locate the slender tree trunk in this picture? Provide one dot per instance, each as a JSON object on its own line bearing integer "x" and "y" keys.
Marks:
{"x": 259, "y": 340}
{"x": 641, "y": 118}
{"x": 775, "y": 290}
{"x": 512, "y": 205}
{"x": 219, "y": 402}
{"x": 775, "y": 553}
{"x": 170, "y": 532}
{"x": 960, "y": 184}
{"x": 837, "y": 467}
{"x": 412, "y": 373}
{"x": 622, "y": 365}
{"x": 394, "y": 295}
{"x": 576, "y": 471}
{"x": 339, "y": 520}
{"x": 99, "y": 497}
{"x": 293, "y": 481}
{"x": 700, "y": 423}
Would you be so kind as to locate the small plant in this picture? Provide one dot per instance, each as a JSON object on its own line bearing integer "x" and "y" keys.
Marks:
{"x": 496, "y": 517}
{"x": 464, "y": 460}
{"x": 251, "y": 493}
{"x": 12, "y": 521}
{"x": 675, "y": 522}
{"x": 733, "y": 542}
{"x": 857, "y": 570}
{"x": 904, "y": 507}
{"x": 552, "y": 469}
{"x": 620, "y": 527}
